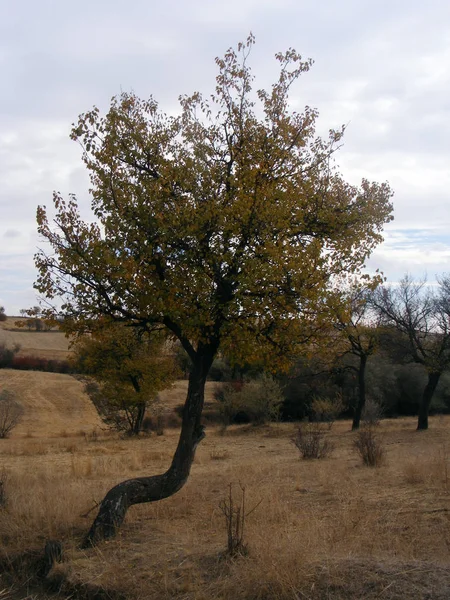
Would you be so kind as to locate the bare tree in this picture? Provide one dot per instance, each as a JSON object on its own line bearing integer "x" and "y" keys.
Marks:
{"x": 422, "y": 315}
{"x": 10, "y": 413}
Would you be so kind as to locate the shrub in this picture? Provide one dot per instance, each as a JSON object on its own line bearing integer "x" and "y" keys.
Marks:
{"x": 10, "y": 413}
{"x": 3, "y": 493}
{"x": 256, "y": 401}
{"x": 235, "y": 514}
{"x": 372, "y": 413}
{"x": 36, "y": 363}
{"x": 326, "y": 409}
{"x": 7, "y": 355}
{"x": 312, "y": 442}
{"x": 369, "y": 447}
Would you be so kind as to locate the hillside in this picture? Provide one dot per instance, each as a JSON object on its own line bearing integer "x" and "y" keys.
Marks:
{"x": 46, "y": 344}
{"x": 54, "y": 404}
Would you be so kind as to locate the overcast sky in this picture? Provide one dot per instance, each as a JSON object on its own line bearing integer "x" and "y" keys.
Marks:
{"x": 381, "y": 67}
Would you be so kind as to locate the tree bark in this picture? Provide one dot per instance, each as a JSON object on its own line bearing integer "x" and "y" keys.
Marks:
{"x": 427, "y": 396}
{"x": 137, "y": 425}
{"x": 361, "y": 392}
{"x": 115, "y": 504}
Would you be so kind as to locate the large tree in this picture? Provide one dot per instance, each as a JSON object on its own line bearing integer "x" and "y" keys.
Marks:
{"x": 223, "y": 224}
{"x": 421, "y": 315}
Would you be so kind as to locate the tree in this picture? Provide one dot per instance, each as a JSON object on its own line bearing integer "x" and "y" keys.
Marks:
{"x": 422, "y": 316}
{"x": 3, "y": 316}
{"x": 129, "y": 368}
{"x": 359, "y": 332}
{"x": 34, "y": 319}
{"x": 223, "y": 224}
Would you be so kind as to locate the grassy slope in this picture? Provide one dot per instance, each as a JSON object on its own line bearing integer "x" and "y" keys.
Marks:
{"x": 47, "y": 344}
{"x": 53, "y": 403}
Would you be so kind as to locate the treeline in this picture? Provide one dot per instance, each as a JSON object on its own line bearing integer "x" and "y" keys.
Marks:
{"x": 396, "y": 385}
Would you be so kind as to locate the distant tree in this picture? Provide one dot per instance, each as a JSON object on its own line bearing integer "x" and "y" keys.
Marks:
{"x": 128, "y": 368}
{"x": 3, "y": 316}
{"x": 358, "y": 334}
{"x": 224, "y": 225}
{"x": 422, "y": 315}
{"x": 34, "y": 319}
{"x": 11, "y": 412}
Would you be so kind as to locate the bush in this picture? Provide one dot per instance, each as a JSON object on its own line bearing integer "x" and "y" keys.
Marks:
{"x": 256, "y": 401}
{"x": 36, "y": 363}
{"x": 220, "y": 370}
{"x": 311, "y": 441}
{"x": 10, "y": 413}
{"x": 326, "y": 409}
{"x": 7, "y": 355}
{"x": 372, "y": 413}
{"x": 369, "y": 447}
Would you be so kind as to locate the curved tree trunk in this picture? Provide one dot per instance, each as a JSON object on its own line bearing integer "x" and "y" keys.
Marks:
{"x": 115, "y": 504}
{"x": 427, "y": 396}
{"x": 361, "y": 392}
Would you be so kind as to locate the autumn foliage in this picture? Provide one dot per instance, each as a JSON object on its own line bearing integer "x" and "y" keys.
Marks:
{"x": 223, "y": 225}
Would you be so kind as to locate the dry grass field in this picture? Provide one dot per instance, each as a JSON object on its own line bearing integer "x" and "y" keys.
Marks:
{"x": 46, "y": 344}
{"x": 324, "y": 529}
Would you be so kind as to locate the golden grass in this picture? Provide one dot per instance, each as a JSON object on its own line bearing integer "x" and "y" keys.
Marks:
{"x": 46, "y": 344}
{"x": 324, "y": 529}
{"x": 52, "y": 403}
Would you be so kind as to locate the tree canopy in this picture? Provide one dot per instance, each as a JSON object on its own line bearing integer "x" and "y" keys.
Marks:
{"x": 224, "y": 224}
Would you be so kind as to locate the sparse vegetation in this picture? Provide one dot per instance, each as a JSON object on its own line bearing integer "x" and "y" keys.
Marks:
{"x": 11, "y": 412}
{"x": 235, "y": 513}
{"x": 321, "y": 526}
{"x": 312, "y": 441}
{"x": 369, "y": 446}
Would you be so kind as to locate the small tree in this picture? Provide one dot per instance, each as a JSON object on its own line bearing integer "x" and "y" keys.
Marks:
{"x": 11, "y": 413}
{"x": 3, "y": 316}
{"x": 128, "y": 369}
